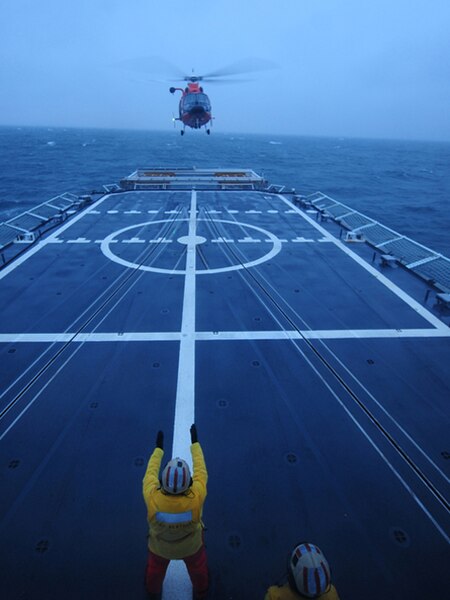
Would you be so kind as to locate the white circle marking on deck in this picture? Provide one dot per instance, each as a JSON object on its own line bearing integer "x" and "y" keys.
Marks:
{"x": 270, "y": 237}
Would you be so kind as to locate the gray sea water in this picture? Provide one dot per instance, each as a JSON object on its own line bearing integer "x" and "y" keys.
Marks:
{"x": 403, "y": 184}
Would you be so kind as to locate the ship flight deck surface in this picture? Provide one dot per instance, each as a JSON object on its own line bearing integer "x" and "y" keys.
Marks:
{"x": 318, "y": 379}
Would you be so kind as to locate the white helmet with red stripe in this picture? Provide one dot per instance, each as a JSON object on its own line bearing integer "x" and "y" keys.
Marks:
{"x": 176, "y": 477}
{"x": 309, "y": 571}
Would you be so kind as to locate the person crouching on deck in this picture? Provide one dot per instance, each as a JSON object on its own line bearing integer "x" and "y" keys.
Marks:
{"x": 309, "y": 576}
{"x": 174, "y": 513}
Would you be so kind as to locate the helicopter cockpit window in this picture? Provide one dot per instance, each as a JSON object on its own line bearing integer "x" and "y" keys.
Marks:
{"x": 192, "y": 100}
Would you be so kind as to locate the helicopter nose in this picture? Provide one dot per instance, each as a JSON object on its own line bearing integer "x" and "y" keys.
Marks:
{"x": 197, "y": 110}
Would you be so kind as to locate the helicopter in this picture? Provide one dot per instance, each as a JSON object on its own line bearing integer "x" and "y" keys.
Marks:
{"x": 194, "y": 108}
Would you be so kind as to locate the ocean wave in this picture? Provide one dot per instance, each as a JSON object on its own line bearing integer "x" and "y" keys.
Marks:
{"x": 392, "y": 182}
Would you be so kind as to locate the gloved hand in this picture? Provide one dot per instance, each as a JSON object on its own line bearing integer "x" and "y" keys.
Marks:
{"x": 160, "y": 440}
{"x": 194, "y": 437}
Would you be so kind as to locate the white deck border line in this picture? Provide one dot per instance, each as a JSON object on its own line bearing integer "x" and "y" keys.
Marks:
{"x": 369, "y": 437}
{"x": 48, "y": 240}
{"x": 177, "y": 585}
{"x": 205, "y": 336}
{"x": 422, "y": 311}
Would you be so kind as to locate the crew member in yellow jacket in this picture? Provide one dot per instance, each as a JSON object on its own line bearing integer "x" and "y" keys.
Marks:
{"x": 309, "y": 576}
{"x": 174, "y": 514}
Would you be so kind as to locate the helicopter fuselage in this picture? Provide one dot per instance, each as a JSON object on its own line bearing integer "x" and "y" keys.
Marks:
{"x": 194, "y": 107}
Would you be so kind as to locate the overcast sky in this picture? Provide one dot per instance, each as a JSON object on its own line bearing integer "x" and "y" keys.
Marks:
{"x": 365, "y": 68}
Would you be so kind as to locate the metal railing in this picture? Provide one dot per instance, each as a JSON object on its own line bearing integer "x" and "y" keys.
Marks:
{"x": 27, "y": 225}
{"x": 424, "y": 262}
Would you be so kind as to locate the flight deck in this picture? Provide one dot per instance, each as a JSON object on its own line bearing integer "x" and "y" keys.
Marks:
{"x": 317, "y": 374}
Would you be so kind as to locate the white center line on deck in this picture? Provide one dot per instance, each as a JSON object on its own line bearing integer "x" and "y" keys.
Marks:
{"x": 422, "y": 311}
{"x": 177, "y": 584}
{"x": 48, "y": 240}
{"x": 185, "y": 399}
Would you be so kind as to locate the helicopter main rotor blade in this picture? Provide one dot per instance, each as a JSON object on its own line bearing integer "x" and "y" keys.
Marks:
{"x": 215, "y": 81}
{"x": 150, "y": 80}
{"x": 248, "y": 65}
{"x": 153, "y": 65}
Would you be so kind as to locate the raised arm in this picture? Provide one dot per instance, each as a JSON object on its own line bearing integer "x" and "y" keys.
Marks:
{"x": 151, "y": 477}
{"x": 200, "y": 474}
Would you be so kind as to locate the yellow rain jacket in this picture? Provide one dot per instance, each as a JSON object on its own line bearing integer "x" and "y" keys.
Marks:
{"x": 175, "y": 521}
{"x": 286, "y": 593}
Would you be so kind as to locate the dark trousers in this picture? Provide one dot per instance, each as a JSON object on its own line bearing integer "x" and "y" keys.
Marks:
{"x": 196, "y": 564}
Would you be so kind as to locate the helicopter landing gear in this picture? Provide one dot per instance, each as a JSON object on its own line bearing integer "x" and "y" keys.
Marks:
{"x": 208, "y": 131}
{"x": 182, "y": 132}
